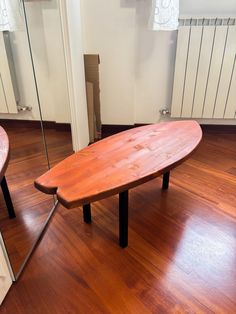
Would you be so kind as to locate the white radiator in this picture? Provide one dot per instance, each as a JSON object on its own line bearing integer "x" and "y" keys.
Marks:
{"x": 205, "y": 70}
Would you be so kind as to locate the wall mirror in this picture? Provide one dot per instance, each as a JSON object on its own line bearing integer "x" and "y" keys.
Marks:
{"x": 35, "y": 114}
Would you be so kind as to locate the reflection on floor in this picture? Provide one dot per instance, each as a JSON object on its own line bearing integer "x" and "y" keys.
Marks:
{"x": 181, "y": 256}
{"x": 27, "y": 162}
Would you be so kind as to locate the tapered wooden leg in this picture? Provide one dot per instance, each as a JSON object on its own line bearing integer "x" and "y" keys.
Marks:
{"x": 123, "y": 218}
{"x": 165, "y": 182}
{"x": 87, "y": 213}
{"x": 7, "y": 198}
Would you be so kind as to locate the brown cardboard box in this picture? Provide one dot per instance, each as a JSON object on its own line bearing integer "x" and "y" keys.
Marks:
{"x": 91, "y": 114}
{"x": 91, "y": 64}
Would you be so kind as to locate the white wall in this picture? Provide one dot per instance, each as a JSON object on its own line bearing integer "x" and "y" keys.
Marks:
{"x": 154, "y": 64}
{"x": 210, "y": 7}
{"x": 109, "y": 29}
{"x": 137, "y": 64}
{"x": 47, "y": 46}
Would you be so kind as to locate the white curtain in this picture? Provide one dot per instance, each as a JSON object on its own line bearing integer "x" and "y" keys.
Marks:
{"x": 11, "y": 15}
{"x": 165, "y": 15}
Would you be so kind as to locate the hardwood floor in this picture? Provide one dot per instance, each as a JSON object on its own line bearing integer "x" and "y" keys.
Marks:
{"x": 181, "y": 256}
{"x": 27, "y": 162}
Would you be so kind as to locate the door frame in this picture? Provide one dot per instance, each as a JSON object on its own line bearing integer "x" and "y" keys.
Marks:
{"x": 71, "y": 26}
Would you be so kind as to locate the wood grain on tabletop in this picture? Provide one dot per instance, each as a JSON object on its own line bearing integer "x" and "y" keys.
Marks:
{"x": 120, "y": 162}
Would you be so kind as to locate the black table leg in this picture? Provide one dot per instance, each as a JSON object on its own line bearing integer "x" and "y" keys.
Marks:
{"x": 7, "y": 198}
{"x": 123, "y": 218}
{"x": 165, "y": 182}
{"x": 87, "y": 213}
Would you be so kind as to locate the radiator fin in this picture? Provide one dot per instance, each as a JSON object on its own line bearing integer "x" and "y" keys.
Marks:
{"x": 227, "y": 66}
{"x": 180, "y": 66}
{"x": 205, "y": 78}
{"x": 203, "y": 71}
{"x": 191, "y": 70}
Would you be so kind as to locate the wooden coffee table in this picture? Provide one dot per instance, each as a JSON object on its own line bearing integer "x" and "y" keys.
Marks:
{"x": 118, "y": 163}
{"x": 4, "y": 160}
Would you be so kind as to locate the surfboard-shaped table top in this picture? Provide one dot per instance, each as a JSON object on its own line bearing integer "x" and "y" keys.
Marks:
{"x": 120, "y": 162}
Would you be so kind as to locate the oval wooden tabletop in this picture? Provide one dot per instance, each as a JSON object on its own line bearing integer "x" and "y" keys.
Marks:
{"x": 120, "y": 162}
{"x": 4, "y": 152}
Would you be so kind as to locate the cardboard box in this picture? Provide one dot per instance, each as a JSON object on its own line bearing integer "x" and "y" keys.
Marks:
{"x": 91, "y": 113}
{"x": 91, "y": 65}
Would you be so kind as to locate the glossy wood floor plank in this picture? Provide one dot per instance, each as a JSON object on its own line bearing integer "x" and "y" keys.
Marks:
{"x": 181, "y": 257}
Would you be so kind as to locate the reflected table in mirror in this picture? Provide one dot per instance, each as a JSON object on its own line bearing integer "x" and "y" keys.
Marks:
{"x": 27, "y": 162}
{"x": 4, "y": 160}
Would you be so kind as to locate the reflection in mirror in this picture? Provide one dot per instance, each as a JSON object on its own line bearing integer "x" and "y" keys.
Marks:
{"x": 44, "y": 26}
{"x": 20, "y": 117}
{"x": 27, "y": 161}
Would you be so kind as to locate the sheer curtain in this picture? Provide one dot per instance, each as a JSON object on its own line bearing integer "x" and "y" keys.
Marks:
{"x": 11, "y": 15}
{"x": 165, "y": 15}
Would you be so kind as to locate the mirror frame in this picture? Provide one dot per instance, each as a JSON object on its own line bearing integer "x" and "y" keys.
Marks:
{"x": 71, "y": 28}
{"x": 35, "y": 244}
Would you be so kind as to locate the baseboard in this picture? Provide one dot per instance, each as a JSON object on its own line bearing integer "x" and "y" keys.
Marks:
{"x": 34, "y": 124}
{"x": 218, "y": 128}
{"x": 111, "y": 129}
{"x": 107, "y": 129}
